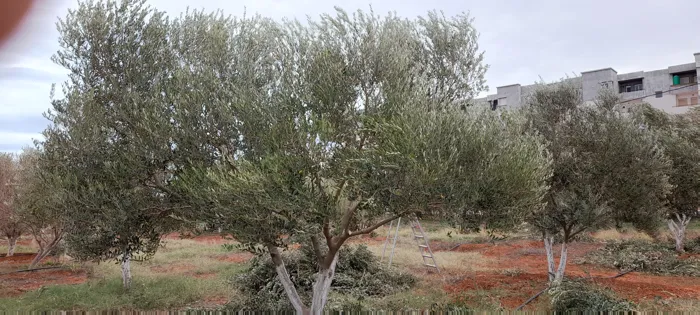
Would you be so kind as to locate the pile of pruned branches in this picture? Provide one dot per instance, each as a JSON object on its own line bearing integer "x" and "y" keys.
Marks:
{"x": 644, "y": 256}
{"x": 359, "y": 274}
{"x": 583, "y": 296}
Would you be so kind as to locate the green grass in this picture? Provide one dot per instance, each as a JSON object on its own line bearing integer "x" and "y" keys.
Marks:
{"x": 18, "y": 249}
{"x": 694, "y": 225}
{"x": 145, "y": 294}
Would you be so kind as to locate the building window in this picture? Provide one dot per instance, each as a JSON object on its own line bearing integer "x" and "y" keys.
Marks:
{"x": 690, "y": 99}
{"x": 503, "y": 102}
{"x": 631, "y": 85}
{"x": 683, "y": 78}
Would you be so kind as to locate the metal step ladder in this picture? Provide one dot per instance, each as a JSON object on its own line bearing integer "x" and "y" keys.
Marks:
{"x": 420, "y": 238}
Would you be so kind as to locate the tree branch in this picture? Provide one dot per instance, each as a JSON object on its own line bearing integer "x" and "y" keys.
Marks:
{"x": 379, "y": 224}
{"x": 317, "y": 248}
{"x": 345, "y": 222}
{"x": 327, "y": 234}
{"x": 286, "y": 281}
{"x": 339, "y": 191}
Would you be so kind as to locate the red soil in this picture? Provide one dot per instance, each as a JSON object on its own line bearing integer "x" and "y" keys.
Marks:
{"x": 14, "y": 284}
{"x": 528, "y": 260}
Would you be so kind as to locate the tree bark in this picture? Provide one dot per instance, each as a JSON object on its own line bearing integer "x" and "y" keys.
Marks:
{"x": 562, "y": 263}
{"x": 322, "y": 285}
{"x": 677, "y": 228}
{"x": 548, "y": 243}
{"x": 286, "y": 281}
{"x": 12, "y": 242}
{"x": 40, "y": 255}
{"x": 45, "y": 247}
{"x": 126, "y": 270}
{"x": 555, "y": 276}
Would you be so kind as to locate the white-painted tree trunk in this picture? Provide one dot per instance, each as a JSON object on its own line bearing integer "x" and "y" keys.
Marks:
{"x": 562, "y": 263}
{"x": 677, "y": 228}
{"x": 548, "y": 242}
{"x": 290, "y": 289}
{"x": 126, "y": 270}
{"x": 555, "y": 276}
{"x": 322, "y": 287}
{"x": 286, "y": 281}
{"x": 11, "y": 246}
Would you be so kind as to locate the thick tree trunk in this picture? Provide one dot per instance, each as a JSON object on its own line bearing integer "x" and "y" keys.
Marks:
{"x": 286, "y": 281}
{"x": 322, "y": 286}
{"x": 548, "y": 243}
{"x": 677, "y": 228}
{"x": 126, "y": 270}
{"x": 12, "y": 242}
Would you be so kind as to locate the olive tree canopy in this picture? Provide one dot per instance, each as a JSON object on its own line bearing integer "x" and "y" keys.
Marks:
{"x": 350, "y": 122}
{"x": 606, "y": 168}
{"x": 679, "y": 135}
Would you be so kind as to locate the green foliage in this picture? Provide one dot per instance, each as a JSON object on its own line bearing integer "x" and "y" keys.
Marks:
{"x": 679, "y": 136}
{"x": 109, "y": 150}
{"x": 605, "y": 168}
{"x": 11, "y": 226}
{"x": 582, "y": 296}
{"x": 644, "y": 257}
{"x": 693, "y": 246}
{"x": 358, "y": 274}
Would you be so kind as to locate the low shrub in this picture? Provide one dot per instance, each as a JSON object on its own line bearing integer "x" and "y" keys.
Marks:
{"x": 358, "y": 274}
{"x": 582, "y": 296}
{"x": 645, "y": 257}
{"x": 693, "y": 246}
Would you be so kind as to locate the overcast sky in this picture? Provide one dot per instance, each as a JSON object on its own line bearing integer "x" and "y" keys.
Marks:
{"x": 523, "y": 41}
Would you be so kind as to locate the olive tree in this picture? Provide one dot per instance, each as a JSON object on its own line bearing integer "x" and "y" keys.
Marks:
{"x": 11, "y": 227}
{"x": 109, "y": 144}
{"x": 147, "y": 96}
{"x": 342, "y": 131}
{"x": 679, "y": 135}
{"x": 606, "y": 169}
{"x": 40, "y": 204}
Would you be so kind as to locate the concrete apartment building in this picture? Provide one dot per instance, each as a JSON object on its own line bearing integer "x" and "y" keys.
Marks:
{"x": 674, "y": 89}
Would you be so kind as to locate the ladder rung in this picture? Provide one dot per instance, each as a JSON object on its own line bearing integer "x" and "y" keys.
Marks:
{"x": 427, "y": 256}
{"x": 429, "y": 265}
{"x": 423, "y": 246}
{"x": 419, "y": 236}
